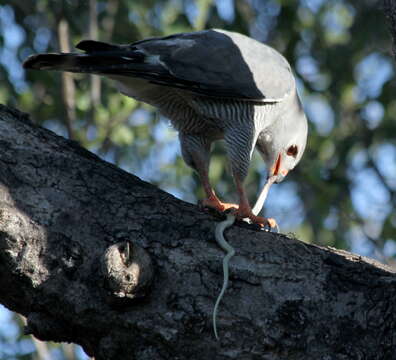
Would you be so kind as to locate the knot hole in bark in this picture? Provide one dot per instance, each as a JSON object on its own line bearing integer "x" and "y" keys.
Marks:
{"x": 127, "y": 271}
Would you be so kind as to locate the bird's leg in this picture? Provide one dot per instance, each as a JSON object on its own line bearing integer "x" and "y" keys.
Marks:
{"x": 212, "y": 200}
{"x": 240, "y": 141}
{"x": 196, "y": 153}
{"x": 245, "y": 211}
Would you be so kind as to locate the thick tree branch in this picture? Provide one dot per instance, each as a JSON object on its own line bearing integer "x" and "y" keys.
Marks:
{"x": 67, "y": 219}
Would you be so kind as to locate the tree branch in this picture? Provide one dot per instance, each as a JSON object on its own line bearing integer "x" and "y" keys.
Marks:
{"x": 66, "y": 218}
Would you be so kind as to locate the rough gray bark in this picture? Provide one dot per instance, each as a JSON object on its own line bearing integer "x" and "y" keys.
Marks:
{"x": 66, "y": 218}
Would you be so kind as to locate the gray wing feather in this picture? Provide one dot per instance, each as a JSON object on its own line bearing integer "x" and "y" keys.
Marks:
{"x": 224, "y": 63}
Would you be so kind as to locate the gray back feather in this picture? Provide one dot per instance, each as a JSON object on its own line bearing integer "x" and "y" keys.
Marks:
{"x": 231, "y": 64}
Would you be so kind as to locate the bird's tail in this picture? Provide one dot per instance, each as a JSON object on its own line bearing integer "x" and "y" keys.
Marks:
{"x": 98, "y": 58}
{"x": 61, "y": 62}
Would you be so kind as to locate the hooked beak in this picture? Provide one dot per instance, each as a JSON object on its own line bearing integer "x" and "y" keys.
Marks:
{"x": 277, "y": 170}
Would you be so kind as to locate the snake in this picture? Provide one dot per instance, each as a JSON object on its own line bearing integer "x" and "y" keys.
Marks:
{"x": 230, "y": 251}
{"x": 219, "y": 234}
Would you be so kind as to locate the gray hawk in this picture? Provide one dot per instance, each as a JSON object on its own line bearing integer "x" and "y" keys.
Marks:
{"x": 212, "y": 85}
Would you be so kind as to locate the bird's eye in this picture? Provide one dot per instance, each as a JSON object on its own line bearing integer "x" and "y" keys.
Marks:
{"x": 292, "y": 151}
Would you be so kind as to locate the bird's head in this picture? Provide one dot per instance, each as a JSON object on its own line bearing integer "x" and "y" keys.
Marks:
{"x": 282, "y": 144}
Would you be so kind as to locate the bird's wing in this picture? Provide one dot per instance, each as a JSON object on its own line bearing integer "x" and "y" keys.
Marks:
{"x": 211, "y": 62}
{"x": 221, "y": 63}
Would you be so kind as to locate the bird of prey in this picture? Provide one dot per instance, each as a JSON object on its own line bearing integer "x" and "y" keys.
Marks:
{"x": 212, "y": 85}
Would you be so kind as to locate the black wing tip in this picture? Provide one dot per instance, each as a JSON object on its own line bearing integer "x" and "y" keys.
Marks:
{"x": 84, "y": 45}
{"x": 94, "y": 46}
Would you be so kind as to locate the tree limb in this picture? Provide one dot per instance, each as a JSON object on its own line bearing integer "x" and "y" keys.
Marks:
{"x": 67, "y": 217}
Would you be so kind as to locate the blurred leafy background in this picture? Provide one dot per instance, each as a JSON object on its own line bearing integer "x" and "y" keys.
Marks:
{"x": 342, "y": 194}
